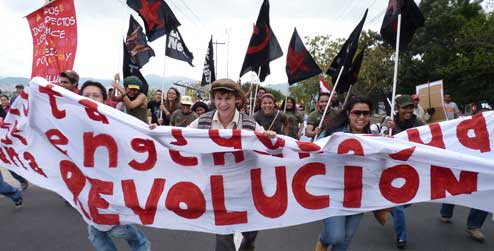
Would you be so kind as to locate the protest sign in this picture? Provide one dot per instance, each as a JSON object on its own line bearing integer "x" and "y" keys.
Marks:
{"x": 54, "y": 31}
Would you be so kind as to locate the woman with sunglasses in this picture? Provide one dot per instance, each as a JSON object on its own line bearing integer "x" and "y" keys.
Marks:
{"x": 339, "y": 230}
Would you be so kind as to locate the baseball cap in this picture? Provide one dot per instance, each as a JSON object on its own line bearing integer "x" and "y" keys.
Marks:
{"x": 415, "y": 97}
{"x": 404, "y": 101}
{"x": 483, "y": 106}
{"x": 132, "y": 82}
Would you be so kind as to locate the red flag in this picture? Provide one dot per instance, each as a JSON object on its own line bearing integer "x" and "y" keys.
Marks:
{"x": 323, "y": 85}
{"x": 54, "y": 31}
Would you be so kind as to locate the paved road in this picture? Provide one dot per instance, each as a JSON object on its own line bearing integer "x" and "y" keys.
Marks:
{"x": 46, "y": 224}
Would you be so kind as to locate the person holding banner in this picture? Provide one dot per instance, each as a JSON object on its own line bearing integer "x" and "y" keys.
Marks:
{"x": 403, "y": 120}
{"x": 294, "y": 116}
{"x": 226, "y": 94}
{"x": 339, "y": 230}
{"x": 476, "y": 217}
{"x": 134, "y": 100}
{"x": 101, "y": 240}
{"x": 4, "y": 110}
{"x": 11, "y": 192}
{"x": 269, "y": 117}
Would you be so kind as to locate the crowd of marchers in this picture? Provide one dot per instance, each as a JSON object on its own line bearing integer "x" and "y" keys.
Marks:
{"x": 229, "y": 108}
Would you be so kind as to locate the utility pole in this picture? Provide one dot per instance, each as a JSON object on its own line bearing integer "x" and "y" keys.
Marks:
{"x": 228, "y": 30}
{"x": 216, "y": 43}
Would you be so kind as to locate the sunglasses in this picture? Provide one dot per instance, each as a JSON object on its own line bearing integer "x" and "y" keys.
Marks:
{"x": 358, "y": 113}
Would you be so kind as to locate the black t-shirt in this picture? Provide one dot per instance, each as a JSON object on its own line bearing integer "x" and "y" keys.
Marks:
{"x": 3, "y": 114}
{"x": 155, "y": 112}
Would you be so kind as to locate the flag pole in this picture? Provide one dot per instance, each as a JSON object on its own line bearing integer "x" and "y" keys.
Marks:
{"x": 330, "y": 98}
{"x": 286, "y": 100}
{"x": 347, "y": 95}
{"x": 163, "y": 85}
{"x": 395, "y": 76}
{"x": 257, "y": 88}
{"x": 250, "y": 94}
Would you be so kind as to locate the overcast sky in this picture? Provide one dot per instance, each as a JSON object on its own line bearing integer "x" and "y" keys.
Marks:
{"x": 102, "y": 24}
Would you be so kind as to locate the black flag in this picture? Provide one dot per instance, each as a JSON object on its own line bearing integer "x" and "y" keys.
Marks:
{"x": 157, "y": 15}
{"x": 347, "y": 52}
{"x": 352, "y": 75}
{"x": 209, "y": 73}
{"x": 411, "y": 19}
{"x": 299, "y": 63}
{"x": 263, "y": 46}
{"x": 176, "y": 48}
{"x": 136, "y": 42}
{"x": 131, "y": 69}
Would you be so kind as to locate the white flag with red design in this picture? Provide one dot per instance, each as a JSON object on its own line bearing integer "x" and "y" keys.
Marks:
{"x": 323, "y": 85}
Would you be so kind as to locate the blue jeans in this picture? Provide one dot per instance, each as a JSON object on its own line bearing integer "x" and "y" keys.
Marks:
{"x": 400, "y": 224}
{"x": 102, "y": 241}
{"x": 475, "y": 218}
{"x": 9, "y": 191}
{"x": 339, "y": 230}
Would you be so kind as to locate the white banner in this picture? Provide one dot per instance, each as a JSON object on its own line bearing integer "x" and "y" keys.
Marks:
{"x": 114, "y": 170}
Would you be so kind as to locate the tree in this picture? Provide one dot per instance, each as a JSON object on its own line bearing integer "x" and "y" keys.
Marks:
{"x": 455, "y": 45}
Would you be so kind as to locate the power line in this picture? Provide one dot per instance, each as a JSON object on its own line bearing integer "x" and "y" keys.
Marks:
{"x": 191, "y": 11}
{"x": 194, "y": 20}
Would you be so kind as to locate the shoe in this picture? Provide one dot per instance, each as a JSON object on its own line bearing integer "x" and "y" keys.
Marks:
{"x": 445, "y": 220}
{"x": 476, "y": 234}
{"x": 320, "y": 247}
{"x": 24, "y": 185}
{"x": 18, "y": 204}
{"x": 381, "y": 216}
{"x": 401, "y": 244}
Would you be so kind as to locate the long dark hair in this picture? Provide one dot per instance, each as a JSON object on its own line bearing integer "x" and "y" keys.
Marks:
{"x": 341, "y": 118}
{"x": 294, "y": 108}
{"x": 174, "y": 106}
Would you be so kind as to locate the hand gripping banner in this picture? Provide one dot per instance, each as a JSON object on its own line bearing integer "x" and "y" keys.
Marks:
{"x": 114, "y": 170}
